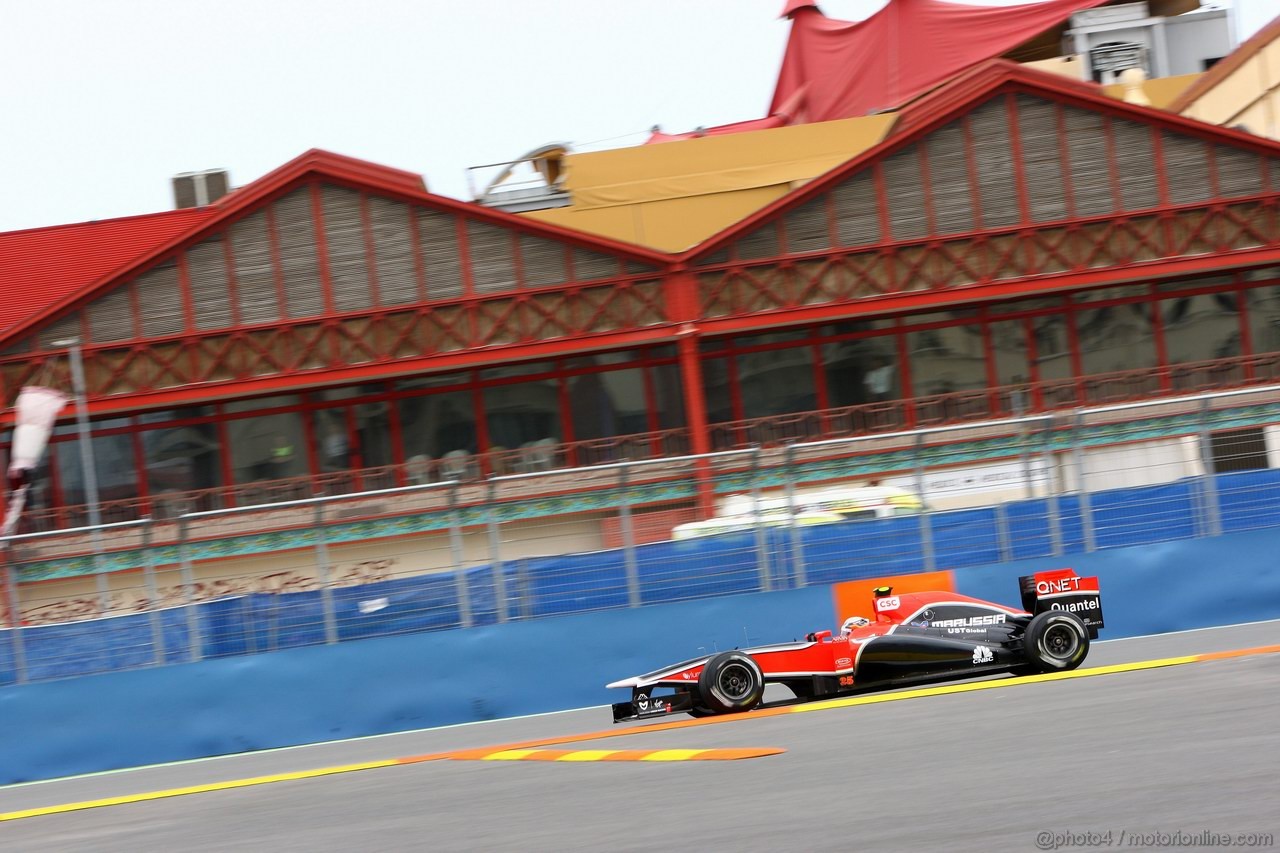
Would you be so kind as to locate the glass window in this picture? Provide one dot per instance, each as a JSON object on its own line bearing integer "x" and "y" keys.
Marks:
{"x": 715, "y": 383}
{"x": 1115, "y": 338}
{"x": 435, "y": 424}
{"x": 333, "y": 442}
{"x": 1009, "y": 347}
{"x": 523, "y": 414}
{"x": 261, "y": 403}
{"x": 1263, "y": 274}
{"x": 40, "y": 490}
{"x": 188, "y": 413}
{"x": 112, "y": 461}
{"x": 776, "y": 382}
{"x": 855, "y": 327}
{"x": 864, "y": 370}
{"x": 334, "y": 394}
{"x": 608, "y": 404}
{"x": 959, "y": 315}
{"x": 525, "y": 369}
{"x": 765, "y": 338}
{"x": 70, "y": 426}
{"x": 1264, "y": 318}
{"x": 1201, "y": 328}
{"x": 1025, "y": 305}
{"x": 373, "y": 429}
{"x": 1194, "y": 283}
{"x": 270, "y": 447}
{"x": 182, "y": 459}
{"x": 603, "y": 359}
{"x": 433, "y": 380}
{"x": 668, "y": 395}
{"x": 947, "y": 360}
{"x": 1053, "y": 347}
{"x": 1122, "y": 292}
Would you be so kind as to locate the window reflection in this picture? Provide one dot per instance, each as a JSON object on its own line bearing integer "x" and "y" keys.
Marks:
{"x": 776, "y": 382}
{"x": 182, "y": 458}
{"x": 860, "y": 371}
{"x": 1116, "y": 338}
{"x": 435, "y": 425}
{"x": 715, "y": 382}
{"x": 373, "y": 428}
{"x": 1009, "y": 348}
{"x": 523, "y": 414}
{"x": 947, "y": 360}
{"x": 1264, "y": 318}
{"x": 668, "y": 395}
{"x": 1053, "y": 352}
{"x": 333, "y": 443}
{"x": 259, "y": 403}
{"x": 271, "y": 447}
{"x": 113, "y": 464}
{"x": 608, "y": 404}
{"x": 1201, "y": 328}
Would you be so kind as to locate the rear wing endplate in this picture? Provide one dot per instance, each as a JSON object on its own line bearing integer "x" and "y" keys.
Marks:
{"x": 1063, "y": 590}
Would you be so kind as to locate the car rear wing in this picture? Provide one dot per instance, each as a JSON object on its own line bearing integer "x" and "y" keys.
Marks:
{"x": 1063, "y": 590}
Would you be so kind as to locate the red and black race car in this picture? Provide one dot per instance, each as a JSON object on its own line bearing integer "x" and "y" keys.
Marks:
{"x": 914, "y": 638}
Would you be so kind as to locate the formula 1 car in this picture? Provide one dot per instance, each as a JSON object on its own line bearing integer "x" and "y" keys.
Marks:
{"x": 915, "y": 638}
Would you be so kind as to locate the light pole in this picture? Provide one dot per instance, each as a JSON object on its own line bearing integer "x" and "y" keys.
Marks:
{"x": 89, "y": 470}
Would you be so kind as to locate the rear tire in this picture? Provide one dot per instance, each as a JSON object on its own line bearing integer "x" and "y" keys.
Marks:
{"x": 731, "y": 683}
{"x": 1055, "y": 641}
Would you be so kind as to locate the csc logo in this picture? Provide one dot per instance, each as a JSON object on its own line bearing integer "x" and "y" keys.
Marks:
{"x": 889, "y": 603}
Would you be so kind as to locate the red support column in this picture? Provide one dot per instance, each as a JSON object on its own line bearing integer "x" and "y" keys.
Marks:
{"x": 682, "y": 306}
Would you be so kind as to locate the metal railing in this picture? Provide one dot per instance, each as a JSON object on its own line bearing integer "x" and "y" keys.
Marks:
{"x": 517, "y": 546}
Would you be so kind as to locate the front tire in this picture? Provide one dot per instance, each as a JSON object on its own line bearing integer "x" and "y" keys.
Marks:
{"x": 1055, "y": 641}
{"x": 731, "y": 683}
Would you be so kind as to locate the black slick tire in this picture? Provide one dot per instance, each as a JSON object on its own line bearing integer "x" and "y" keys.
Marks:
{"x": 1055, "y": 641}
{"x": 730, "y": 683}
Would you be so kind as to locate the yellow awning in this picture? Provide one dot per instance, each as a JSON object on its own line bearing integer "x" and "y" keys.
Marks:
{"x": 674, "y": 195}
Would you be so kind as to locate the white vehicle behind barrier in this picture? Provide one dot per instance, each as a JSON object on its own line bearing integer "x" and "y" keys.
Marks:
{"x": 741, "y": 512}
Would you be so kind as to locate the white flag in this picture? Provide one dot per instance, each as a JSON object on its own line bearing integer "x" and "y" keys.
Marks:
{"x": 37, "y": 409}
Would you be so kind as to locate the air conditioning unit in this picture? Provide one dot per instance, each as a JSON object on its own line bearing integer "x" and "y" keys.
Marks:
{"x": 1108, "y": 60}
{"x": 196, "y": 189}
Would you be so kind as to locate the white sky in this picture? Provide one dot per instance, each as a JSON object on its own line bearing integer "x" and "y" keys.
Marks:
{"x": 102, "y": 102}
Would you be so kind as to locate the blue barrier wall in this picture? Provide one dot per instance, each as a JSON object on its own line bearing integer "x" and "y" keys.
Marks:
{"x": 1168, "y": 586}
{"x": 392, "y": 683}
{"x": 386, "y": 684}
{"x": 724, "y": 564}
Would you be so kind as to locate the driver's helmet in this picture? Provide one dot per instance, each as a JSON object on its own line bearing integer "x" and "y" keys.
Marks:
{"x": 853, "y": 622}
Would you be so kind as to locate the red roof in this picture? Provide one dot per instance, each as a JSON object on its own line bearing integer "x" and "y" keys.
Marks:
{"x": 44, "y": 270}
{"x": 41, "y": 266}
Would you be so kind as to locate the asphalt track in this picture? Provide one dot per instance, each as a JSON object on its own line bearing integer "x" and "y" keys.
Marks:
{"x": 1187, "y": 748}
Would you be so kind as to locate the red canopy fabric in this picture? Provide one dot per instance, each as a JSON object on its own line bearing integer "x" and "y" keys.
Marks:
{"x": 843, "y": 69}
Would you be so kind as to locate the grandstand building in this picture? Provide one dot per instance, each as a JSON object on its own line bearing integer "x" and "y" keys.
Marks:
{"x": 1004, "y": 241}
